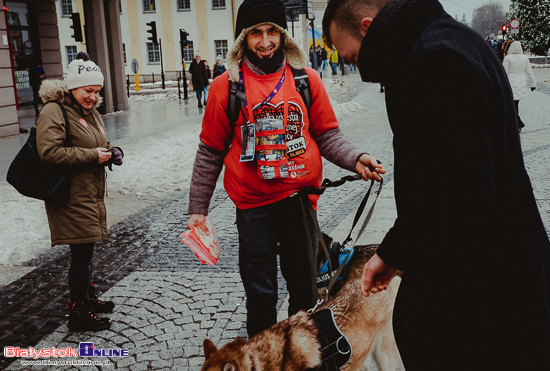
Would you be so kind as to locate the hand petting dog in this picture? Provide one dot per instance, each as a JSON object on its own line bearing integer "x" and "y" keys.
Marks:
{"x": 376, "y": 276}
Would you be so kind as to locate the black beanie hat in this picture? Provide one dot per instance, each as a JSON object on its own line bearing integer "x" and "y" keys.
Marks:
{"x": 253, "y": 12}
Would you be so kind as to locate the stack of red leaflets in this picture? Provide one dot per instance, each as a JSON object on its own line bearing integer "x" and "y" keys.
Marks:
{"x": 205, "y": 246}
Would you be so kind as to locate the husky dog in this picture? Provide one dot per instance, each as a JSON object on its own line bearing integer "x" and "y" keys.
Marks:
{"x": 292, "y": 344}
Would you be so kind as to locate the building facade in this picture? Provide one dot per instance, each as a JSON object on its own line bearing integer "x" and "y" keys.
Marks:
{"x": 115, "y": 34}
{"x": 30, "y": 38}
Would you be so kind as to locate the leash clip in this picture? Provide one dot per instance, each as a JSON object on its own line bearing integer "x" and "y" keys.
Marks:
{"x": 319, "y": 302}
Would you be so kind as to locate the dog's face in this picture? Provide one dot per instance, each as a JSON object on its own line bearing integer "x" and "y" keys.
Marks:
{"x": 231, "y": 357}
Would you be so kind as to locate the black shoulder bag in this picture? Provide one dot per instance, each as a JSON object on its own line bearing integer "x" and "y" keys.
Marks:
{"x": 31, "y": 177}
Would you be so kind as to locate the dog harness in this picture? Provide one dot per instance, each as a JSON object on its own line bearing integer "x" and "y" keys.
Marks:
{"x": 335, "y": 348}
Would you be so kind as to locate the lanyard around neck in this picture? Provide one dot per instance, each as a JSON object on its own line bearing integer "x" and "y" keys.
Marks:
{"x": 269, "y": 97}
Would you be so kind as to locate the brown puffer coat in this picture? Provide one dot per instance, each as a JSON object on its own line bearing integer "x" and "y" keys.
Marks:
{"x": 83, "y": 219}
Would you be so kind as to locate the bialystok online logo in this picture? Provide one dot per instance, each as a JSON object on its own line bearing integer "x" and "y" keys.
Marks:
{"x": 84, "y": 350}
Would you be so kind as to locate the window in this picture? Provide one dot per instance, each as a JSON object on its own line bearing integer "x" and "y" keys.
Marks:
{"x": 221, "y": 48}
{"x": 13, "y": 19}
{"x": 188, "y": 53}
{"x": 218, "y": 4}
{"x": 149, "y": 6}
{"x": 184, "y": 4}
{"x": 71, "y": 53}
{"x": 153, "y": 53}
{"x": 66, "y": 8}
{"x": 124, "y": 52}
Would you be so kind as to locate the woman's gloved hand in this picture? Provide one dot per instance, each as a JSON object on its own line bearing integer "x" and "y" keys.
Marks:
{"x": 116, "y": 157}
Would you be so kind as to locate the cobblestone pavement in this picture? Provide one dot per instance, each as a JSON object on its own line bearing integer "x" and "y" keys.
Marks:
{"x": 166, "y": 301}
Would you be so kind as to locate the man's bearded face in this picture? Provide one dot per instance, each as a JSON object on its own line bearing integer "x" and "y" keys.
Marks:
{"x": 263, "y": 41}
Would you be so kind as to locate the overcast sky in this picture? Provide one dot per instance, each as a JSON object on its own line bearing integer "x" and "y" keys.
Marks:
{"x": 459, "y": 7}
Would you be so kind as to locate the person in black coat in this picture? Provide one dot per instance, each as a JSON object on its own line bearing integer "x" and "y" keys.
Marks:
{"x": 199, "y": 78}
{"x": 36, "y": 76}
{"x": 469, "y": 237}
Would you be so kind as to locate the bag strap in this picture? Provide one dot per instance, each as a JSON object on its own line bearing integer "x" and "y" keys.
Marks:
{"x": 301, "y": 80}
{"x": 67, "y": 140}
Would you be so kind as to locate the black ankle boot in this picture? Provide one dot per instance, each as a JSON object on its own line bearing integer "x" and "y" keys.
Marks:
{"x": 83, "y": 319}
{"x": 96, "y": 305}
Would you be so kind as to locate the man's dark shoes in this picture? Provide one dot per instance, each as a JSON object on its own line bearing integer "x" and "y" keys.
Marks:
{"x": 200, "y": 105}
{"x": 83, "y": 319}
{"x": 96, "y": 305}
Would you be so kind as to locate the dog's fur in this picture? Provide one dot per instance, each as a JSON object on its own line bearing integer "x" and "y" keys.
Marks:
{"x": 292, "y": 344}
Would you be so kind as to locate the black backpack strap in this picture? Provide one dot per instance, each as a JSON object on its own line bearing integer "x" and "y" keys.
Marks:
{"x": 303, "y": 87}
{"x": 234, "y": 105}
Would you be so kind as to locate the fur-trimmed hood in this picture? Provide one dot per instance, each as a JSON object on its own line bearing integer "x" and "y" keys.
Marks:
{"x": 296, "y": 57}
{"x": 56, "y": 90}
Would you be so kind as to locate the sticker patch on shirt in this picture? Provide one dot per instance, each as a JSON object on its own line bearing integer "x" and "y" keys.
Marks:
{"x": 83, "y": 122}
{"x": 296, "y": 147}
{"x": 295, "y": 119}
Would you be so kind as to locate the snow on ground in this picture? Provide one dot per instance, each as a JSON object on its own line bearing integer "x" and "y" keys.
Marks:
{"x": 166, "y": 163}
{"x": 24, "y": 232}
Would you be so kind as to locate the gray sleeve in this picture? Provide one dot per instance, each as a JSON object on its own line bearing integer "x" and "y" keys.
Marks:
{"x": 338, "y": 150}
{"x": 206, "y": 170}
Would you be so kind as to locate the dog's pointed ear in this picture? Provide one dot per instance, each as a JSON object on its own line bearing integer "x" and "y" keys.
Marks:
{"x": 229, "y": 367}
{"x": 209, "y": 348}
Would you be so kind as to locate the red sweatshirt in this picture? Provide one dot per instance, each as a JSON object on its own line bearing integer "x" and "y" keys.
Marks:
{"x": 242, "y": 180}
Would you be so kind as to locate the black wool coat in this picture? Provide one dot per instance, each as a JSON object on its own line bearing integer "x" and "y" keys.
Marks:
{"x": 199, "y": 75}
{"x": 468, "y": 235}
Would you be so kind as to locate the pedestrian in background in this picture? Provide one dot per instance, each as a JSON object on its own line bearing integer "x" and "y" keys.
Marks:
{"x": 82, "y": 221}
{"x": 334, "y": 62}
{"x": 219, "y": 68}
{"x": 208, "y": 73}
{"x": 199, "y": 77}
{"x": 36, "y": 76}
{"x": 517, "y": 66}
{"x": 324, "y": 56}
{"x": 468, "y": 236}
{"x": 262, "y": 180}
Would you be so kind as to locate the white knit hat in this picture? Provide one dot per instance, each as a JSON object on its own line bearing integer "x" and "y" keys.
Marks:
{"x": 83, "y": 73}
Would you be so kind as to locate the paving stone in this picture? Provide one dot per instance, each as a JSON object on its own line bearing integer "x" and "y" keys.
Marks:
{"x": 167, "y": 302}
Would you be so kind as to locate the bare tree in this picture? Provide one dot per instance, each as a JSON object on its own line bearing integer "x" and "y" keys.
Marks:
{"x": 488, "y": 19}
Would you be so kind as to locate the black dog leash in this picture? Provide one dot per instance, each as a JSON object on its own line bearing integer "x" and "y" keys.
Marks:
{"x": 306, "y": 205}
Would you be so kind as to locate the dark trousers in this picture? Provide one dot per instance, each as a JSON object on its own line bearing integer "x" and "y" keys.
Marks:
{"x": 80, "y": 271}
{"x": 264, "y": 233}
{"x": 520, "y": 123}
{"x": 36, "y": 100}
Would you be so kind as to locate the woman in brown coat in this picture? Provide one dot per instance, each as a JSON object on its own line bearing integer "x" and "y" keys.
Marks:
{"x": 82, "y": 220}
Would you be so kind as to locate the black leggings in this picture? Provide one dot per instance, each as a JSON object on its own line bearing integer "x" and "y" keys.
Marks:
{"x": 80, "y": 271}
{"x": 520, "y": 123}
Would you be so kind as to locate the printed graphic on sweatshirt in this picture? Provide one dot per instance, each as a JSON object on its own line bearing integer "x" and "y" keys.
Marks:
{"x": 295, "y": 141}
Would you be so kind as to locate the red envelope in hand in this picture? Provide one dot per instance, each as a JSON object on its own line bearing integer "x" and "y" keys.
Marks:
{"x": 205, "y": 246}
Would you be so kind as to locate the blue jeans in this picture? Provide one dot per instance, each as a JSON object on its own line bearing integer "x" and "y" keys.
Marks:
{"x": 264, "y": 233}
{"x": 334, "y": 68}
{"x": 324, "y": 64}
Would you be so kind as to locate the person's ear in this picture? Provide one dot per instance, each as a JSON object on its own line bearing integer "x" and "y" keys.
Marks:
{"x": 365, "y": 24}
